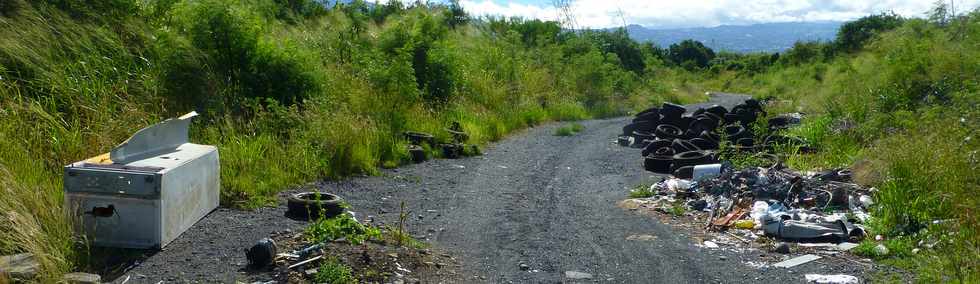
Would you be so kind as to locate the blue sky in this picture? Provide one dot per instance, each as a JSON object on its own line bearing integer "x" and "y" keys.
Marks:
{"x": 705, "y": 13}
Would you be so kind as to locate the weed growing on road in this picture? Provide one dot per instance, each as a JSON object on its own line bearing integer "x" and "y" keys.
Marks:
{"x": 343, "y": 226}
{"x": 641, "y": 191}
{"x": 332, "y": 271}
{"x": 569, "y": 129}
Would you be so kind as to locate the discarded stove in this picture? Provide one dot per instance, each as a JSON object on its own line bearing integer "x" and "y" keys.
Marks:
{"x": 146, "y": 191}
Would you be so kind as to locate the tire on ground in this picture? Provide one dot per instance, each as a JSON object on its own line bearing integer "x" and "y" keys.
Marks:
{"x": 313, "y": 205}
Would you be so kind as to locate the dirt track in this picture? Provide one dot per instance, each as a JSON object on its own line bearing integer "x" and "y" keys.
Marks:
{"x": 543, "y": 200}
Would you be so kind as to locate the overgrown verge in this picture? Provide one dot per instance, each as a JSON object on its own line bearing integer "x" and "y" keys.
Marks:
{"x": 897, "y": 104}
{"x": 290, "y": 91}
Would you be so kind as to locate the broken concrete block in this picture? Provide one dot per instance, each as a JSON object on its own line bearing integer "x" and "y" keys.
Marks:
{"x": 81, "y": 278}
{"x": 797, "y": 261}
{"x": 19, "y": 266}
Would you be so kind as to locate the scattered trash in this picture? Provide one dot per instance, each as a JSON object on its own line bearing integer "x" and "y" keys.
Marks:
{"x": 262, "y": 253}
{"x": 147, "y": 190}
{"x": 797, "y": 261}
{"x": 710, "y": 244}
{"x": 846, "y": 246}
{"x": 577, "y": 275}
{"x": 831, "y": 279}
{"x": 706, "y": 171}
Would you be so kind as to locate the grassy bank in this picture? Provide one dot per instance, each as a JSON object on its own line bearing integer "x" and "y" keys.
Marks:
{"x": 289, "y": 91}
{"x": 901, "y": 111}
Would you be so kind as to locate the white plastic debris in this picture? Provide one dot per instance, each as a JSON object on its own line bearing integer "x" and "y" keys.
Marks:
{"x": 797, "y": 261}
{"x": 677, "y": 184}
{"x": 760, "y": 212}
{"x": 710, "y": 244}
{"x": 706, "y": 171}
{"x": 832, "y": 279}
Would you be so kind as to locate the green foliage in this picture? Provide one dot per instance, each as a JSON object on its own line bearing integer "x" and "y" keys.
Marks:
{"x": 853, "y": 35}
{"x": 641, "y": 191}
{"x": 332, "y": 271}
{"x": 343, "y": 226}
{"x": 569, "y": 129}
{"x": 691, "y": 54}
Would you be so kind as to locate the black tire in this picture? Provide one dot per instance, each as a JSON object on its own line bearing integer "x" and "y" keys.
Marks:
{"x": 703, "y": 123}
{"x": 417, "y": 153}
{"x": 745, "y": 142}
{"x": 680, "y": 146}
{"x": 730, "y": 118}
{"x": 684, "y": 122}
{"x": 735, "y": 132}
{"x": 718, "y": 119}
{"x": 650, "y": 116}
{"x": 717, "y": 110}
{"x": 313, "y": 205}
{"x": 672, "y": 110}
{"x": 664, "y": 151}
{"x": 654, "y": 145}
{"x": 658, "y": 164}
{"x": 697, "y": 112}
{"x": 691, "y": 158}
{"x": 753, "y": 103}
{"x": 648, "y": 111}
{"x": 710, "y": 136}
{"x": 667, "y": 131}
{"x": 642, "y": 125}
{"x": 704, "y": 144}
{"x": 641, "y": 135}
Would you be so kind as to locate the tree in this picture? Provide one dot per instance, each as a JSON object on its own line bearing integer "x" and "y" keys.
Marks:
{"x": 691, "y": 54}
{"x": 853, "y": 35}
{"x": 455, "y": 15}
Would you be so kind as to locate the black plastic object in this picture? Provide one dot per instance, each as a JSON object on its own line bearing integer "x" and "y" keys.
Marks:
{"x": 313, "y": 205}
{"x": 262, "y": 253}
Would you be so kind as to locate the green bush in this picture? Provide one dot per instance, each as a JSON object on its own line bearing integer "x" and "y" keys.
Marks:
{"x": 332, "y": 271}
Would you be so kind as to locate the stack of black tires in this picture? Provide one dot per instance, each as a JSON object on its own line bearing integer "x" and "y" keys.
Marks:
{"x": 673, "y": 143}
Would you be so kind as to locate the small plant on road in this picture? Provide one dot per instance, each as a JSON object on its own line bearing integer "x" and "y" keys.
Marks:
{"x": 641, "y": 191}
{"x": 569, "y": 129}
{"x": 333, "y": 271}
{"x": 342, "y": 226}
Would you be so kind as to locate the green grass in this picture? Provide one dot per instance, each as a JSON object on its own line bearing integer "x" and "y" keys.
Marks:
{"x": 641, "y": 191}
{"x": 332, "y": 271}
{"x": 342, "y": 226}
{"x": 569, "y": 129}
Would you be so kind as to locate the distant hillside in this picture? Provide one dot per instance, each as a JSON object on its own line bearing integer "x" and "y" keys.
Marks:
{"x": 770, "y": 37}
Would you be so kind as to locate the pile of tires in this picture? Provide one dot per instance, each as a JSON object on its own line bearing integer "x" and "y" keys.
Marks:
{"x": 673, "y": 142}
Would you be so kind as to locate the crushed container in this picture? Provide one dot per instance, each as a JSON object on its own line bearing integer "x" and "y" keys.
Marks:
{"x": 147, "y": 191}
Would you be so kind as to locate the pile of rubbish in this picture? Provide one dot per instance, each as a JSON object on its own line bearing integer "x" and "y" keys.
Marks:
{"x": 816, "y": 207}
{"x": 675, "y": 143}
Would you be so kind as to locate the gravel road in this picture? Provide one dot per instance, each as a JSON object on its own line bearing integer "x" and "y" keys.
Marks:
{"x": 545, "y": 201}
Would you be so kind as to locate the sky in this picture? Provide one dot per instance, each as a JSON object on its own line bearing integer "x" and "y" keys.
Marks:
{"x": 704, "y": 13}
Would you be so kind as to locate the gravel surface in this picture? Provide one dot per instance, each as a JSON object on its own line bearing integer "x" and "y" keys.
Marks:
{"x": 536, "y": 208}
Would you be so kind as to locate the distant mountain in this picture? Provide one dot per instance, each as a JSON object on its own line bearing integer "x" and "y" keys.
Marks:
{"x": 771, "y": 37}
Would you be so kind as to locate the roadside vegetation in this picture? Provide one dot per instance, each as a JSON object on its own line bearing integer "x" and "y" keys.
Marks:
{"x": 569, "y": 129}
{"x": 894, "y": 99}
{"x": 290, "y": 91}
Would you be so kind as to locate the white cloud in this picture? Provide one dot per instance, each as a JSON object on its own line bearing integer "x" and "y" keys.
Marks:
{"x": 700, "y": 13}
